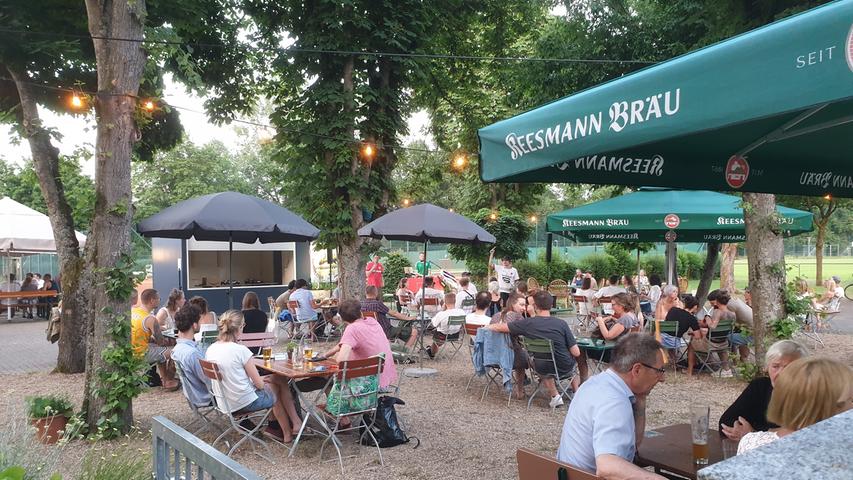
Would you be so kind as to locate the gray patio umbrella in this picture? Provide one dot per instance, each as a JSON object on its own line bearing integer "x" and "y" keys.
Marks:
{"x": 228, "y": 216}
{"x": 426, "y": 223}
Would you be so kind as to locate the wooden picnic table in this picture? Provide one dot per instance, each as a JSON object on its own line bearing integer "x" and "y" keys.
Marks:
{"x": 670, "y": 451}
{"x": 25, "y": 294}
{"x": 285, "y": 368}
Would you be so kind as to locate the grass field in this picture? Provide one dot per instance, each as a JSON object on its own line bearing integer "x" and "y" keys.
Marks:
{"x": 803, "y": 267}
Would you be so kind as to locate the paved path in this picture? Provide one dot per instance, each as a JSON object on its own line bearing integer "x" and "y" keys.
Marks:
{"x": 23, "y": 347}
{"x": 843, "y": 321}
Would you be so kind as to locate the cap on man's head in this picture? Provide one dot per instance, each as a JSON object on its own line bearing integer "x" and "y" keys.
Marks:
{"x": 836, "y": 279}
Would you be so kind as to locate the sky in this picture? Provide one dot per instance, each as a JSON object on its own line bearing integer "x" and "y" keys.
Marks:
{"x": 80, "y": 131}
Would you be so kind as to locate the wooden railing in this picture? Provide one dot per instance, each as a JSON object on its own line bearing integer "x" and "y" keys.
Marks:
{"x": 178, "y": 454}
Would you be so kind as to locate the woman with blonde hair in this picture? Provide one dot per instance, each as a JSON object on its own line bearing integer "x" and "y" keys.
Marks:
{"x": 166, "y": 315}
{"x": 243, "y": 386}
{"x": 623, "y": 319}
{"x": 808, "y": 391}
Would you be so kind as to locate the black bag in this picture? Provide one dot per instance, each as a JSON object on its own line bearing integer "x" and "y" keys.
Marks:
{"x": 386, "y": 428}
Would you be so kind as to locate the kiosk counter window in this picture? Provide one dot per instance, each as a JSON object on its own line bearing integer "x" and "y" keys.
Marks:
{"x": 257, "y": 264}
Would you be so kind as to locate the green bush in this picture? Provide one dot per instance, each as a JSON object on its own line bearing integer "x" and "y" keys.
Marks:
{"x": 395, "y": 264}
{"x": 600, "y": 264}
{"x": 690, "y": 265}
{"x": 623, "y": 262}
{"x": 21, "y": 451}
{"x": 654, "y": 264}
{"x": 49, "y": 405}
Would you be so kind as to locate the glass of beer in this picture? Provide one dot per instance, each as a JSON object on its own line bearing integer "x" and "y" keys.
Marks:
{"x": 308, "y": 352}
{"x": 699, "y": 418}
{"x": 267, "y": 353}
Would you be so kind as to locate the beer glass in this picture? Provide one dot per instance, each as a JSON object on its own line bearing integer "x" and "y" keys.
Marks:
{"x": 699, "y": 418}
{"x": 308, "y": 352}
{"x": 267, "y": 353}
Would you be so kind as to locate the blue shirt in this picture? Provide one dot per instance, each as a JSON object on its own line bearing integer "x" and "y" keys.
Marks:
{"x": 304, "y": 296}
{"x": 187, "y": 354}
{"x": 600, "y": 421}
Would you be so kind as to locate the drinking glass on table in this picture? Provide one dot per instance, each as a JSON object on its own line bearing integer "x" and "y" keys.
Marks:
{"x": 267, "y": 353}
{"x": 699, "y": 418}
{"x": 308, "y": 351}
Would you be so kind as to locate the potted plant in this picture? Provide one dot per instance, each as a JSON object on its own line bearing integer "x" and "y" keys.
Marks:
{"x": 49, "y": 414}
{"x": 291, "y": 347}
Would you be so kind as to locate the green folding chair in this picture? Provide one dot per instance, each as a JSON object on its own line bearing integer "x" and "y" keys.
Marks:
{"x": 543, "y": 350}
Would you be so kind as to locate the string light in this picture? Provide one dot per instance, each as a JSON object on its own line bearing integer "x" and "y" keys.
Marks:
{"x": 406, "y": 202}
{"x": 367, "y": 151}
{"x": 493, "y": 216}
{"x": 460, "y": 161}
{"x": 148, "y": 105}
{"x": 827, "y": 197}
{"x": 450, "y": 210}
{"x": 76, "y": 101}
{"x": 533, "y": 218}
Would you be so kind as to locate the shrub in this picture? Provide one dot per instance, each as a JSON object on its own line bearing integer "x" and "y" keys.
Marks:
{"x": 123, "y": 464}
{"x": 622, "y": 260}
{"x": 47, "y": 406}
{"x": 395, "y": 264}
{"x": 539, "y": 269}
{"x": 600, "y": 264}
{"x": 20, "y": 449}
{"x": 690, "y": 265}
{"x": 654, "y": 264}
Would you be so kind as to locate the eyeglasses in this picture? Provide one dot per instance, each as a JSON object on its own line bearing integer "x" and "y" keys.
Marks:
{"x": 660, "y": 371}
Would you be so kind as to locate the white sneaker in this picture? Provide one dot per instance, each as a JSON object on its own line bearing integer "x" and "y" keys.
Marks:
{"x": 727, "y": 374}
{"x": 556, "y": 401}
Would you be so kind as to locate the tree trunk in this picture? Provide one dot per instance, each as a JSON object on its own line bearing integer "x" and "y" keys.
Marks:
{"x": 72, "y": 339}
{"x": 351, "y": 265}
{"x": 708, "y": 272}
{"x": 766, "y": 256}
{"x": 120, "y": 66}
{"x": 819, "y": 244}
{"x": 727, "y": 266}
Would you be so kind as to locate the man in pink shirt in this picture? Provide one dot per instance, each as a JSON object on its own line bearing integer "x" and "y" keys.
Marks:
{"x": 374, "y": 271}
{"x": 363, "y": 338}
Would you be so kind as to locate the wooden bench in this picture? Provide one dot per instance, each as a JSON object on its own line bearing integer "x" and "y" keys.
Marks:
{"x": 29, "y": 294}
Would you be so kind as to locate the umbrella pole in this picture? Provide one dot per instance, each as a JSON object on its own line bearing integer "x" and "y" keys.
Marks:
{"x": 230, "y": 279}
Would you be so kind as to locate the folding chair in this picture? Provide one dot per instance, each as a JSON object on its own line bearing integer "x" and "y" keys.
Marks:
{"x": 494, "y": 373}
{"x": 455, "y": 340}
{"x": 671, "y": 328}
{"x": 257, "y": 340}
{"x": 535, "y": 466}
{"x": 543, "y": 350}
{"x": 363, "y": 401}
{"x": 430, "y": 302}
{"x": 809, "y": 327}
{"x": 259, "y": 417}
{"x": 560, "y": 290}
{"x": 471, "y": 333}
{"x": 203, "y": 414}
{"x": 717, "y": 342}
{"x": 606, "y": 305}
{"x": 207, "y": 338}
{"x": 366, "y": 314}
{"x": 583, "y": 311}
{"x": 300, "y": 323}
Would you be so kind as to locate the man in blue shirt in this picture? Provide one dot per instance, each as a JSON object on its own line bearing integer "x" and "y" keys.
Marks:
{"x": 186, "y": 355}
{"x": 607, "y": 417}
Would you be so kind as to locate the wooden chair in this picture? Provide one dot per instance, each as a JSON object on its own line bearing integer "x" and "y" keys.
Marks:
{"x": 535, "y": 466}
{"x": 366, "y": 314}
{"x": 257, "y": 340}
{"x": 606, "y": 305}
{"x": 560, "y": 290}
{"x": 532, "y": 284}
{"x": 583, "y": 310}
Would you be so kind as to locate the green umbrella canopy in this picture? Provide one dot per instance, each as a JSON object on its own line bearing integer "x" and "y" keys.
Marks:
{"x": 767, "y": 111}
{"x": 647, "y": 216}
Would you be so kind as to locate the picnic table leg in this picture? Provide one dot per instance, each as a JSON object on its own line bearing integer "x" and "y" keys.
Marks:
{"x": 310, "y": 411}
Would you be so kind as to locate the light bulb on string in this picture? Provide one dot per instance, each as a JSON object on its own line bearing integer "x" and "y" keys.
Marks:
{"x": 533, "y": 218}
{"x": 493, "y": 216}
{"x": 406, "y": 202}
{"x": 76, "y": 101}
{"x": 148, "y": 105}
{"x": 368, "y": 151}
{"x": 459, "y": 161}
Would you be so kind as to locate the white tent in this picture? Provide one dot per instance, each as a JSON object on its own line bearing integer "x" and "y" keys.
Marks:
{"x": 24, "y": 230}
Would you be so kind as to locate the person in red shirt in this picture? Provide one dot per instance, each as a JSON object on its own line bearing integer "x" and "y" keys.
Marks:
{"x": 374, "y": 272}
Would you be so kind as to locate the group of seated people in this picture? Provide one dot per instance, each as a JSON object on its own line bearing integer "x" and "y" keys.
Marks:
{"x": 605, "y": 422}
{"x": 32, "y": 282}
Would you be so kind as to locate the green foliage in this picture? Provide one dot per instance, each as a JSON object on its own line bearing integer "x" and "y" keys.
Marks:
{"x": 623, "y": 263}
{"x": 122, "y": 379}
{"x": 783, "y": 328}
{"x": 539, "y": 269}
{"x": 395, "y": 264}
{"x": 511, "y": 231}
{"x": 600, "y": 264}
{"x": 654, "y": 264}
{"x": 21, "y": 184}
{"x": 21, "y": 451}
{"x": 747, "y": 371}
{"x": 690, "y": 265}
{"x": 47, "y": 406}
{"x": 121, "y": 464}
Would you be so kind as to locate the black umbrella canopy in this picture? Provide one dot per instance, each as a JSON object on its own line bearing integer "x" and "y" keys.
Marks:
{"x": 426, "y": 223}
{"x": 228, "y": 216}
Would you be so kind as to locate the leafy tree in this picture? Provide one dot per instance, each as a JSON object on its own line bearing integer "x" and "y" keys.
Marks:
{"x": 822, "y": 208}
{"x": 511, "y": 231}
{"x": 185, "y": 172}
{"x": 395, "y": 264}
{"x": 21, "y": 185}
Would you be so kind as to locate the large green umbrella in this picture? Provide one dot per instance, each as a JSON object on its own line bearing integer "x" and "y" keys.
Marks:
{"x": 658, "y": 215}
{"x": 767, "y": 111}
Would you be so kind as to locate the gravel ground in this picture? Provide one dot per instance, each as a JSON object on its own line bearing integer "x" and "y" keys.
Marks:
{"x": 460, "y": 437}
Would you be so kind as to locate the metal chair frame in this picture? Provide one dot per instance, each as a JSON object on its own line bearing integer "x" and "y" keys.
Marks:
{"x": 258, "y": 417}
{"x": 670, "y": 327}
{"x": 350, "y": 369}
{"x": 543, "y": 349}
{"x": 202, "y": 414}
{"x": 456, "y": 340}
{"x": 493, "y": 374}
{"x": 722, "y": 331}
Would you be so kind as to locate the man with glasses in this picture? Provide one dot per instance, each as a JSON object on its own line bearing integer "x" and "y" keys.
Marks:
{"x": 607, "y": 417}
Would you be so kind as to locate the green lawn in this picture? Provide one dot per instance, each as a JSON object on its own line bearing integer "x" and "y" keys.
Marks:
{"x": 800, "y": 267}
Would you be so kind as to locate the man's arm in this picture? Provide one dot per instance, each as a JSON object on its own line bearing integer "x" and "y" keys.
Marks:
{"x": 398, "y": 315}
{"x": 491, "y": 257}
{"x": 498, "y": 327}
{"x": 158, "y": 338}
{"x": 613, "y": 467}
{"x": 343, "y": 354}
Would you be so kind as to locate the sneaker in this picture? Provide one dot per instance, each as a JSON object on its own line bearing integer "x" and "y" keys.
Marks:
{"x": 428, "y": 351}
{"x": 727, "y": 373}
{"x": 556, "y": 401}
